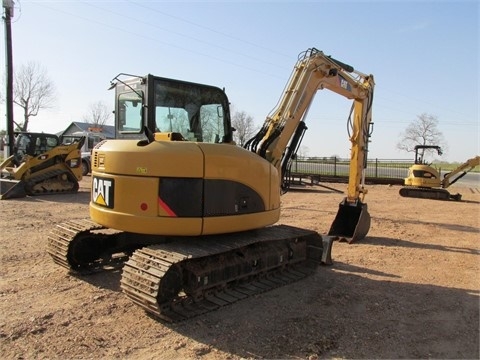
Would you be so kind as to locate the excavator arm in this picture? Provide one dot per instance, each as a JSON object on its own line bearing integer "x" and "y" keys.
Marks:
{"x": 283, "y": 128}
{"x": 315, "y": 71}
{"x": 456, "y": 174}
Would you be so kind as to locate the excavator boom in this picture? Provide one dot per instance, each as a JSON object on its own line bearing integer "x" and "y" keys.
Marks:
{"x": 282, "y": 128}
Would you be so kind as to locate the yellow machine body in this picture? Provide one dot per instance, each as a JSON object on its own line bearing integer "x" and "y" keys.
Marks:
{"x": 420, "y": 175}
{"x": 182, "y": 188}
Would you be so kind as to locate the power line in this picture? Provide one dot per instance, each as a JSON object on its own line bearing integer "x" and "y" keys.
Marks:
{"x": 210, "y": 29}
{"x": 196, "y": 39}
{"x": 420, "y": 101}
{"x": 156, "y": 41}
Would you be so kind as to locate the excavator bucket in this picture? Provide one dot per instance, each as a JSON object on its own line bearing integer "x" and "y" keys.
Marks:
{"x": 352, "y": 221}
{"x": 10, "y": 189}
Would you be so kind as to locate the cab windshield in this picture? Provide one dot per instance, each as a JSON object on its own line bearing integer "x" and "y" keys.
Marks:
{"x": 195, "y": 111}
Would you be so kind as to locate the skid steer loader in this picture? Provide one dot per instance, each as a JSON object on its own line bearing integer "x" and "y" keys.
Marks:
{"x": 40, "y": 165}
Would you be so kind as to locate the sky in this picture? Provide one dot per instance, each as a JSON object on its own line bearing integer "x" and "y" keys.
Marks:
{"x": 424, "y": 56}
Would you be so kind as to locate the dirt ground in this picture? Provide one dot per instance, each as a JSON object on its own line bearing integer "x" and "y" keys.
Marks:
{"x": 409, "y": 290}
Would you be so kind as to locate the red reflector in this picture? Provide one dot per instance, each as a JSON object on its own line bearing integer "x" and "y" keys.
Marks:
{"x": 144, "y": 206}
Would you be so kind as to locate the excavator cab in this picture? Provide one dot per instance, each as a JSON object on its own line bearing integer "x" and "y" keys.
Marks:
{"x": 193, "y": 112}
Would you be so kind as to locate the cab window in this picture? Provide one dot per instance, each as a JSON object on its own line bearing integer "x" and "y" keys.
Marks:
{"x": 130, "y": 112}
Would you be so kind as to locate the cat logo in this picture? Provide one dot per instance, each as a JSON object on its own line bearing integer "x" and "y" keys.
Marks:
{"x": 344, "y": 83}
{"x": 102, "y": 191}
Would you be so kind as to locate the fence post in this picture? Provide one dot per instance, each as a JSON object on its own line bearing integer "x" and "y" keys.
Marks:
{"x": 376, "y": 167}
{"x": 334, "y": 166}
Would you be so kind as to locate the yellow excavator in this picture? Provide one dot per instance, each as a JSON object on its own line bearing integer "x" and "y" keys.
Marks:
{"x": 425, "y": 182}
{"x": 193, "y": 212}
{"x": 40, "y": 165}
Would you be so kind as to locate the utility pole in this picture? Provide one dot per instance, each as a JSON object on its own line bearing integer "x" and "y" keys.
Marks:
{"x": 8, "y": 6}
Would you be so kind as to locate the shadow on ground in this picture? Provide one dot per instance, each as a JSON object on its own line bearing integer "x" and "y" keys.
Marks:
{"x": 81, "y": 197}
{"x": 340, "y": 312}
{"x": 373, "y": 240}
{"x": 344, "y": 315}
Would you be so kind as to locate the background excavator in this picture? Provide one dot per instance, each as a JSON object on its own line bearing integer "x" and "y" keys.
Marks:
{"x": 191, "y": 211}
{"x": 425, "y": 182}
{"x": 40, "y": 165}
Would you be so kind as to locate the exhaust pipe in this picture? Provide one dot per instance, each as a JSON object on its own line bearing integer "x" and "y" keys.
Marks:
{"x": 352, "y": 222}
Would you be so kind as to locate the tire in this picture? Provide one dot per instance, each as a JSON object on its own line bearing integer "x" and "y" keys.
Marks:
{"x": 85, "y": 168}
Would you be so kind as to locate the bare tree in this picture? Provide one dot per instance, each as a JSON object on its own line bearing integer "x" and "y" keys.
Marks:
{"x": 98, "y": 114}
{"x": 32, "y": 91}
{"x": 244, "y": 126}
{"x": 303, "y": 151}
{"x": 422, "y": 131}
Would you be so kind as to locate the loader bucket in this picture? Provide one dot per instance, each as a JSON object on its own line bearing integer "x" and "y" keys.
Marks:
{"x": 352, "y": 221}
{"x": 10, "y": 189}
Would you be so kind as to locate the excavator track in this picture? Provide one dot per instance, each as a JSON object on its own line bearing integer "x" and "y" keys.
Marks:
{"x": 51, "y": 182}
{"x": 175, "y": 278}
{"x": 178, "y": 280}
{"x": 85, "y": 247}
{"x": 428, "y": 193}
{"x": 55, "y": 181}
